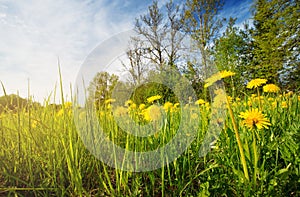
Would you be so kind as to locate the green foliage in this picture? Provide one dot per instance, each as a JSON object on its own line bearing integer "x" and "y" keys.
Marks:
{"x": 275, "y": 34}
{"x": 101, "y": 88}
{"x": 230, "y": 53}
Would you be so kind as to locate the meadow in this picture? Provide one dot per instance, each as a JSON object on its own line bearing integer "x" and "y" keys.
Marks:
{"x": 255, "y": 154}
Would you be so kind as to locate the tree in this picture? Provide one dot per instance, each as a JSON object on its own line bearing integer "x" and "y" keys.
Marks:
{"x": 161, "y": 33}
{"x": 231, "y": 52}
{"x": 101, "y": 87}
{"x": 137, "y": 64}
{"x": 202, "y": 23}
{"x": 157, "y": 48}
{"x": 291, "y": 16}
{"x": 275, "y": 35}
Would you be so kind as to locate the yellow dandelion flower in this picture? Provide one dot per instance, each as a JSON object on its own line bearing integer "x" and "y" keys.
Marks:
{"x": 207, "y": 105}
{"x": 146, "y": 115}
{"x": 249, "y": 103}
{"x": 290, "y": 93}
{"x": 153, "y": 98}
{"x": 284, "y": 104}
{"x": 132, "y": 106}
{"x": 254, "y": 83}
{"x": 142, "y": 106}
{"x": 271, "y": 88}
{"x": 200, "y": 102}
{"x": 128, "y": 103}
{"x": 217, "y": 76}
{"x": 168, "y": 106}
{"x": 254, "y": 119}
{"x": 225, "y": 74}
{"x": 211, "y": 80}
{"x": 298, "y": 98}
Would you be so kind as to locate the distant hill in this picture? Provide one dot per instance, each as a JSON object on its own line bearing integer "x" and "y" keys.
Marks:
{"x": 12, "y": 102}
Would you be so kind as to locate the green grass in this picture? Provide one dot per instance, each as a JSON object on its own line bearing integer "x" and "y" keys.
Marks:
{"x": 41, "y": 154}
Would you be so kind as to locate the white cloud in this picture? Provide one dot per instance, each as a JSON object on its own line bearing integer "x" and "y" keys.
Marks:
{"x": 34, "y": 33}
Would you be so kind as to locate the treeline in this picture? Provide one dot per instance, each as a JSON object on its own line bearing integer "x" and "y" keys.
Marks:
{"x": 12, "y": 103}
{"x": 267, "y": 49}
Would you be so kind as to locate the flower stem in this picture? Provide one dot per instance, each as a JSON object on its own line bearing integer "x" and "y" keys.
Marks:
{"x": 255, "y": 157}
{"x": 237, "y": 136}
{"x": 259, "y": 101}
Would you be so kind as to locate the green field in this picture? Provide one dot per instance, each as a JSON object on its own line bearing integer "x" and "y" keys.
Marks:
{"x": 256, "y": 153}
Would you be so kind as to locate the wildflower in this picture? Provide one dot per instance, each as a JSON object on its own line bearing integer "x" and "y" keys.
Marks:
{"x": 146, "y": 115}
{"x": 225, "y": 74}
{"x": 254, "y": 119}
{"x": 168, "y": 106}
{"x": 254, "y": 83}
{"x": 211, "y": 80}
{"x": 298, "y": 98}
{"x": 284, "y": 104}
{"x": 249, "y": 103}
{"x": 207, "y": 106}
{"x": 271, "y": 88}
{"x": 200, "y": 102}
{"x": 153, "y": 98}
{"x": 128, "y": 103}
{"x": 217, "y": 76}
{"x": 290, "y": 93}
{"x": 132, "y": 106}
{"x": 142, "y": 106}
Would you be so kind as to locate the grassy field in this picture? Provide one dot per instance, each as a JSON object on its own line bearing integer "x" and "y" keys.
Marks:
{"x": 256, "y": 153}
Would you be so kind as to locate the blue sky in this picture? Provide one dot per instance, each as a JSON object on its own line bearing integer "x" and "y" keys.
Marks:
{"x": 34, "y": 33}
